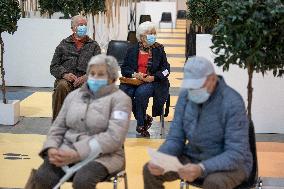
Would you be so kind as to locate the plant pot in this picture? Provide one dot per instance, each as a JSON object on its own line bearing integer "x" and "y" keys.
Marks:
{"x": 10, "y": 112}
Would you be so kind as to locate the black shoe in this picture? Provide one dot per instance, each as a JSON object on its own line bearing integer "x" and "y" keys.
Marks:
{"x": 140, "y": 129}
{"x": 148, "y": 122}
{"x": 145, "y": 134}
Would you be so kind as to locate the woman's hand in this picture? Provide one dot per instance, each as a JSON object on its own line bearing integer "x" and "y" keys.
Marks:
{"x": 63, "y": 157}
{"x": 53, "y": 156}
{"x": 148, "y": 79}
{"x": 139, "y": 75}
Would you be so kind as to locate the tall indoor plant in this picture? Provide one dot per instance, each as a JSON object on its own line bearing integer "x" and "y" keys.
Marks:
{"x": 9, "y": 15}
{"x": 203, "y": 15}
{"x": 48, "y": 7}
{"x": 250, "y": 34}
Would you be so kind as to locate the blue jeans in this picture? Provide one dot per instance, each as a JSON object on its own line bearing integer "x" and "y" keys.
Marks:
{"x": 140, "y": 97}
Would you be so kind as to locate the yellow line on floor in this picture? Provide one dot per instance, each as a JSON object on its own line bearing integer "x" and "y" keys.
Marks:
{"x": 175, "y": 50}
{"x": 37, "y": 105}
{"x": 171, "y": 41}
{"x": 176, "y": 62}
{"x": 171, "y": 30}
{"x": 171, "y": 35}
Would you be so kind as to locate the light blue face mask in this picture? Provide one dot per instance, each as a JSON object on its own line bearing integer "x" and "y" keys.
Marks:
{"x": 198, "y": 96}
{"x": 151, "y": 39}
{"x": 96, "y": 84}
{"x": 81, "y": 31}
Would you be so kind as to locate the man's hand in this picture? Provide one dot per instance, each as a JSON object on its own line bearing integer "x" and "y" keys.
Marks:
{"x": 139, "y": 75}
{"x": 69, "y": 77}
{"x": 80, "y": 80}
{"x": 148, "y": 79}
{"x": 155, "y": 170}
{"x": 190, "y": 172}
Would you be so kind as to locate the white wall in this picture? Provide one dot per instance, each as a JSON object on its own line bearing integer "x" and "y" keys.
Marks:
{"x": 268, "y": 101}
{"x": 29, "y": 51}
{"x": 155, "y": 9}
{"x": 181, "y": 5}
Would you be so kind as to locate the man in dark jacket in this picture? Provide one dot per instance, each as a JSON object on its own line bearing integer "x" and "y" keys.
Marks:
{"x": 209, "y": 133}
{"x": 70, "y": 62}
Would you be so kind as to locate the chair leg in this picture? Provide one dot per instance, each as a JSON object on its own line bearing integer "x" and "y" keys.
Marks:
{"x": 186, "y": 185}
{"x": 181, "y": 184}
{"x": 162, "y": 120}
{"x": 125, "y": 181}
{"x": 259, "y": 183}
{"x": 115, "y": 182}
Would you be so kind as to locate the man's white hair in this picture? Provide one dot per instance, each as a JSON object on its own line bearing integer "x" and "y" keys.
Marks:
{"x": 143, "y": 28}
{"x": 109, "y": 61}
{"x": 75, "y": 19}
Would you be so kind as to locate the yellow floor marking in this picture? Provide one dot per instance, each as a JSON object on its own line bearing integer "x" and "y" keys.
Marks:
{"x": 14, "y": 173}
{"x": 176, "y": 62}
{"x": 170, "y": 35}
{"x": 175, "y": 50}
{"x": 171, "y": 30}
{"x": 39, "y": 104}
{"x": 171, "y": 41}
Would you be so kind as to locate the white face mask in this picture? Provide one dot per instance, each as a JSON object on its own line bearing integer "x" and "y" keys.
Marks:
{"x": 198, "y": 96}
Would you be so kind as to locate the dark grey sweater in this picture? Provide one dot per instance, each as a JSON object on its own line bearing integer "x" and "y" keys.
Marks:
{"x": 67, "y": 59}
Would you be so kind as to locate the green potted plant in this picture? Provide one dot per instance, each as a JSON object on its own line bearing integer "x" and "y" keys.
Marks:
{"x": 9, "y": 15}
{"x": 203, "y": 15}
{"x": 93, "y": 7}
{"x": 70, "y": 8}
{"x": 250, "y": 34}
{"x": 48, "y": 7}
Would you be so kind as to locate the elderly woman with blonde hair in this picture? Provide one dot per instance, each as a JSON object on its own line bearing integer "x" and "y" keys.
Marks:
{"x": 147, "y": 62}
{"x": 97, "y": 111}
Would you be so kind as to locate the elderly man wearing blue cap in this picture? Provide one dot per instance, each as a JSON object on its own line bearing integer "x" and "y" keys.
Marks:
{"x": 209, "y": 133}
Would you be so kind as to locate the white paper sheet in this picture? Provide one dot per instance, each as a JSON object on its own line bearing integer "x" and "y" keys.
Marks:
{"x": 167, "y": 162}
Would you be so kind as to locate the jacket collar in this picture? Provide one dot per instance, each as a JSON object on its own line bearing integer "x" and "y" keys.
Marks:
{"x": 69, "y": 39}
{"x": 88, "y": 94}
{"x": 220, "y": 85}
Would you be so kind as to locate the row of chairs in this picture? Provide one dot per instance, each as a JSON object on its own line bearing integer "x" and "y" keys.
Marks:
{"x": 166, "y": 17}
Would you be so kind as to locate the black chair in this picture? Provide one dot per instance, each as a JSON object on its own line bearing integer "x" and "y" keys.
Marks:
{"x": 144, "y": 18}
{"x": 181, "y": 14}
{"x": 131, "y": 37}
{"x": 118, "y": 50}
{"x": 165, "y": 113}
{"x": 166, "y": 18}
{"x": 253, "y": 181}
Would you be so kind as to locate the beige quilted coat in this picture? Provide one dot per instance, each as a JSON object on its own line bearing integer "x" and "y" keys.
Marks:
{"x": 104, "y": 116}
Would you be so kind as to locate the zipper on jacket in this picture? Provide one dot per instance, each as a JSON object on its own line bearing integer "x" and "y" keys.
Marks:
{"x": 199, "y": 112}
{"x": 85, "y": 116}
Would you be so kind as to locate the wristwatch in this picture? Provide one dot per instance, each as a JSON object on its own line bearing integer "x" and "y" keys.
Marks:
{"x": 203, "y": 168}
{"x": 133, "y": 75}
